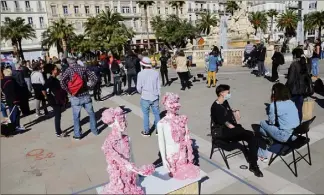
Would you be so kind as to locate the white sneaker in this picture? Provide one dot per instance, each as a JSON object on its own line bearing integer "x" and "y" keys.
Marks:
{"x": 264, "y": 160}
{"x": 20, "y": 129}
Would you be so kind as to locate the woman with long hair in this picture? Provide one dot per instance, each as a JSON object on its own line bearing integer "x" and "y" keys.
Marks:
{"x": 282, "y": 117}
{"x": 299, "y": 83}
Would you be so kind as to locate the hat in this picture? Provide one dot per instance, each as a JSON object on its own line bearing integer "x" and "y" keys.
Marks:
{"x": 71, "y": 61}
{"x": 146, "y": 62}
{"x": 109, "y": 53}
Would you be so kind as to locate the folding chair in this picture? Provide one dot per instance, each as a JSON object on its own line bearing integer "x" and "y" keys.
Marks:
{"x": 294, "y": 145}
{"x": 221, "y": 145}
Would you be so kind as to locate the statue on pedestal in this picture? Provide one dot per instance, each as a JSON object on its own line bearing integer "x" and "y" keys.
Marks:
{"x": 174, "y": 141}
{"x": 122, "y": 173}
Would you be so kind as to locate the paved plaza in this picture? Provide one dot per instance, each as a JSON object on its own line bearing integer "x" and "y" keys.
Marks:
{"x": 38, "y": 162}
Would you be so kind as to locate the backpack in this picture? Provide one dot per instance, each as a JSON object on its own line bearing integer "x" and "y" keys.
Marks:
{"x": 115, "y": 69}
{"x": 75, "y": 84}
{"x": 319, "y": 86}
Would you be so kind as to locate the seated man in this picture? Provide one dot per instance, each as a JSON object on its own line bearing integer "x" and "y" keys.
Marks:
{"x": 223, "y": 115}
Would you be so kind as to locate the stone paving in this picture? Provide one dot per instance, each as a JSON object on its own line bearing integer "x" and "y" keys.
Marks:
{"x": 37, "y": 162}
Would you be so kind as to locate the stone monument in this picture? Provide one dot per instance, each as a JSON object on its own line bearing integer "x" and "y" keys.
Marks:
{"x": 238, "y": 27}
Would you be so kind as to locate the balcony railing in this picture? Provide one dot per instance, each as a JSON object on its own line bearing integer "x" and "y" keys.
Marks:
{"x": 67, "y": 15}
{"x": 88, "y": 14}
{"x": 29, "y": 9}
{"x": 78, "y": 15}
{"x": 33, "y": 25}
{"x": 18, "y": 10}
{"x": 5, "y": 9}
{"x": 54, "y": 15}
{"x": 131, "y": 14}
{"x": 200, "y": 10}
{"x": 43, "y": 25}
{"x": 40, "y": 9}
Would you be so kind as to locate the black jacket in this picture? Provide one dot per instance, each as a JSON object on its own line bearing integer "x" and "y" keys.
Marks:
{"x": 131, "y": 64}
{"x": 262, "y": 53}
{"x": 298, "y": 80}
{"x": 278, "y": 58}
{"x": 19, "y": 77}
{"x": 11, "y": 90}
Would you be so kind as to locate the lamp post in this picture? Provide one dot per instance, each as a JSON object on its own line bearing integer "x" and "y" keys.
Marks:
{"x": 223, "y": 27}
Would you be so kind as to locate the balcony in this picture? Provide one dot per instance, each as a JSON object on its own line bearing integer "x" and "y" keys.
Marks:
{"x": 54, "y": 15}
{"x": 43, "y": 25}
{"x": 40, "y": 9}
{"x": 78, "y": 15}
{"x": 67, "y": 15}
{"x": 200, "y": 10}
{"x": 5, "y": 9}
{"x": 131, "y": 15}
{"x": 190, "y": 10}
{"x": 29, "y": 9}
{"x": 18, "y": 10}
{"x": 88, "y": 15}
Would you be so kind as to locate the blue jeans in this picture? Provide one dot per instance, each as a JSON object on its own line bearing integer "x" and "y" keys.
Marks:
{"x": 4, "y": 110}
{"x": 15, "y": 115}
{"x": 315, "y": 67}
{"x": 145, "y": 105}
{"x": 322, "y": 54}
{"x": 77, "y": 103}
{"x": 274, "y": 132}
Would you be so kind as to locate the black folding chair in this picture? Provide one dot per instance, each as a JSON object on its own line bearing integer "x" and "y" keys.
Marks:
{"x": 221, "y": 144}
{"x": 294, "y": 145}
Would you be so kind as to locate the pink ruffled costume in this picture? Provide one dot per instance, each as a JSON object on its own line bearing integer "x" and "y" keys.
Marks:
{"x": 174, "y": 141}
{"x": 122, "y": 173}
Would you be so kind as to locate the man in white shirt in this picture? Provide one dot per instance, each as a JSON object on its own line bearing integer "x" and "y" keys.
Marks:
{"x": 148, "y": 85}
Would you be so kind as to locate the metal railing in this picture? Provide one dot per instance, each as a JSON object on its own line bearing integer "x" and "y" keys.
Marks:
{"x": 5, "y": 9}
{"x": 18, "y": 10}
{"x": 40, "y": 9}
{"x": 29, "y": 9}
{"x": 78, "y": 15}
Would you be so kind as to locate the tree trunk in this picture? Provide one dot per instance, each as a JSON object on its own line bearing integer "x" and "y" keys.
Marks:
{"x": 177, "y": 11}
{"x": 65, "y": 53}
{"x": 319, "y": 32}
{"x": 15, "y": 49}
{"x": 21, "y": 52}
{"x": 272, "y": 27}
{"x": 255, "y": 31}
{"x": 147, "y": 28}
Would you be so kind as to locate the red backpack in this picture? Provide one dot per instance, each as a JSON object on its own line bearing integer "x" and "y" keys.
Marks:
{"x": 75, "y": 84}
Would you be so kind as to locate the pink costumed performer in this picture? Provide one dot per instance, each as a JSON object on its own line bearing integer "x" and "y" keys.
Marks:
{"x": 174, "y": 141}
{"x": 122, "y": 173}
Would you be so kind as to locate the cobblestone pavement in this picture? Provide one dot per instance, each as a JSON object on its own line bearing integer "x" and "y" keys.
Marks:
{"x": 38, "y": 162}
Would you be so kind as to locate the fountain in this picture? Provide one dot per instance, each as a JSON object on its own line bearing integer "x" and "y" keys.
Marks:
{"x": 237, "y": 27}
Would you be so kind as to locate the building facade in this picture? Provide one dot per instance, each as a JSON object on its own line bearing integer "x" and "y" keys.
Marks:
{"x": 77, "y": 12}
{"x": 34, "y": 13}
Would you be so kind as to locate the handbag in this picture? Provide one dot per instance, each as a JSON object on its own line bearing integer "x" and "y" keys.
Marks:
{"x": 308, "y": 107}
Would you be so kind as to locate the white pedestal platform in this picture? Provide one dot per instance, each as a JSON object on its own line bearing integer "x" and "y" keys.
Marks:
{"x": 161, "y": 183}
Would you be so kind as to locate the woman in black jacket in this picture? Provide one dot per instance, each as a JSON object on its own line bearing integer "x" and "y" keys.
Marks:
{"x": 98, "y": 70}
{"x": 277, "y": 59}
{"x": 56, "y": 97}
{"x": 299, "y": 83}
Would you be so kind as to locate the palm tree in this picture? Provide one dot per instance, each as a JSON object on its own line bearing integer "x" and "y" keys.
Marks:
{"x": 288, "y": 21}
{"x": 316, "y": 20}
{"x": 177, "y": 5}
{"x": 145, "y": 4}
{"x": 258, "y": 20}
{"x": 231, "y": 7}
{"x": 307, "y": 24}
{"x": 207, "y": 21}
{"x": 272, "y": 13}
{"x": 16, "y": 30}
{"x": 58, "y": 34}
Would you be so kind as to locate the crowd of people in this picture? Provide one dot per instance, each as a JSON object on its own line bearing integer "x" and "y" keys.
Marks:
{"x": 51, "y": 83}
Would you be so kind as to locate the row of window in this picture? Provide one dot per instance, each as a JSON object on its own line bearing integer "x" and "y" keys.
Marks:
{"x": 31, "y": 22}
{"x": 17, "y": 4}
{"x": 124, "y": 9}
